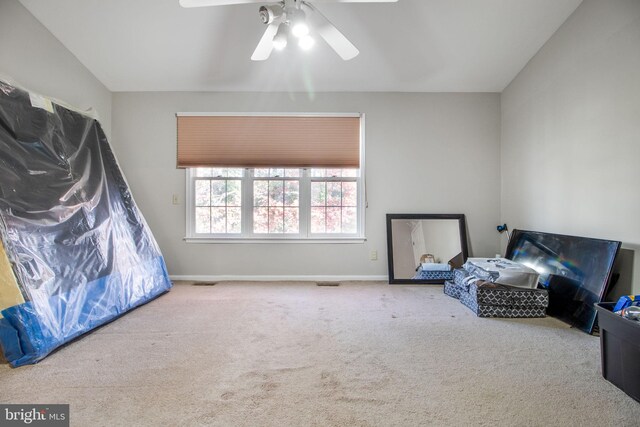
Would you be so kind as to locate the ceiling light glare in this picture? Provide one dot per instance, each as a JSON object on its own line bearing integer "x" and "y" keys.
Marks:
{"x": 306, "y": 42}
{"x": 299, "y": 27}
{"x": 280, "y": 39}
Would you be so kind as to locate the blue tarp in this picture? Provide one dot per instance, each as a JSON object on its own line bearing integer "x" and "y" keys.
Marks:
{"x": 80, "y": 250}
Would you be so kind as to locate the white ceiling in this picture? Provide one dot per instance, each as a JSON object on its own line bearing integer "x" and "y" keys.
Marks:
{"x": 408, "y": 46}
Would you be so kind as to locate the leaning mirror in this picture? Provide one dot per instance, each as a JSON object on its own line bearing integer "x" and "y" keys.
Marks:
{"x": 425, "y": 248}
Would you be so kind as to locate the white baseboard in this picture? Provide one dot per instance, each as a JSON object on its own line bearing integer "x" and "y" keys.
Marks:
{"x": 247, "y": 278}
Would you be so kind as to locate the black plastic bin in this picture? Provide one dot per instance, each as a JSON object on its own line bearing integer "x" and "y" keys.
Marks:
{"x": 620, "y": 347}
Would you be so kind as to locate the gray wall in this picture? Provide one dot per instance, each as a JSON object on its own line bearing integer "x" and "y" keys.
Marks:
{"x": 33, "y": 58}
{"x": 571, "y": 131}
{"x": 425, "y": 153}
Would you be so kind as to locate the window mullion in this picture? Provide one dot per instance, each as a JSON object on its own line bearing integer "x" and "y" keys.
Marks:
{"x": 210, "y": 181}
{"x": 305, "y": 203}
{"x": 247, "y": 203}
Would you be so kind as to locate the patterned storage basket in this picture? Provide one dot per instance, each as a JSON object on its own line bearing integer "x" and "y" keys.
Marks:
{"x": 453, "y": 290}
{"x": 486, "y": 293}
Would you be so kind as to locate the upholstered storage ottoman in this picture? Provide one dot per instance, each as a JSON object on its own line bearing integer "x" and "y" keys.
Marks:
{"x": 493, "y": 300}
{"x": 486, "y": 293}
{"x": 487, "y": 299}
{"x": 453, "y": 289}
{"x": 500, "y": 311}
{"x": 459, "y": 277}
{"x": 433, "y": 275}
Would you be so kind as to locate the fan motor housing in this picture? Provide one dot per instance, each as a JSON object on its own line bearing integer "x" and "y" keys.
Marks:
{"x": 270, "y": 13}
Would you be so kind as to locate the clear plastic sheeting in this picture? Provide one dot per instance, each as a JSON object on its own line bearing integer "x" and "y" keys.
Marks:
{"x": 79, "y": 249}
{"x": 503, "y": 271}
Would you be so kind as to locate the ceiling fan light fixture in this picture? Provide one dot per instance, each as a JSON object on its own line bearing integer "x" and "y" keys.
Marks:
{"x": 299, "y": 27}
{"x": 306, "y": 42}
{"x": 280, "y": 39}
{"x": 268, "y": 14}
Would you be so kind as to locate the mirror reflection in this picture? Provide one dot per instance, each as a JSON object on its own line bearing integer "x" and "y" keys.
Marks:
{"x": 425, "y": 248}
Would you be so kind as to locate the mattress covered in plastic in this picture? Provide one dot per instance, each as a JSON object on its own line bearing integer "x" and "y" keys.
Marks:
{"x": 79, "y": 249}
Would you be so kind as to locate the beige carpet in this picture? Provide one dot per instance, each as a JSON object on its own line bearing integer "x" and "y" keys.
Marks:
{"x": 295, "y": 354}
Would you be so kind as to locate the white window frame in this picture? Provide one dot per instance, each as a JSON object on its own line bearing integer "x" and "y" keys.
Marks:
{"x": 305, "y": 235}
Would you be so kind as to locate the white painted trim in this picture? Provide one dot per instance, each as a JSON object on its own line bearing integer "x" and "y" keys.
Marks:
{"x": 299, "y": 240}
{"x": 363, "y": 204}
{"x": 227, "y": 114}
{"x": 262, "y": 278}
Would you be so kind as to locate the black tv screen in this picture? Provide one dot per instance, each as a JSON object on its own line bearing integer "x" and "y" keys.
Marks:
{"x": 575, "y": 270}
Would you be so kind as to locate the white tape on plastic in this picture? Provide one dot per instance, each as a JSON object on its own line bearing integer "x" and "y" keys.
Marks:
{"x": 39, "y": 101}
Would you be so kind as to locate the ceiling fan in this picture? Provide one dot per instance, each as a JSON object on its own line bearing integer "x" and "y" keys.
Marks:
{"x": 296, "y": 18}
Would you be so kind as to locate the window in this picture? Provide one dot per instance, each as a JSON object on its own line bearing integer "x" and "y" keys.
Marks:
{"x": 274, "y": 203}
{"x": 273, "y": 176}
{"x": 334, "y": 201}
{"x": 218, "y": 201}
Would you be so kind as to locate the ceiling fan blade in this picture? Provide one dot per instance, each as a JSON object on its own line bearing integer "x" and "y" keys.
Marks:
{"x": 202, "y": 3}
{"x": 265, "y": 45}
{"x": 331, "y": 34}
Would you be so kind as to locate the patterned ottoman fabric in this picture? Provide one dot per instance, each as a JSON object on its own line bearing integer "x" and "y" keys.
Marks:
{"x": 459, "y": 276}
{"x": 453, "y": 290}
{"x": 486, "y": 293}
{"x": 433, "y": 275}
{"x": 488, "y": 299}
{"x": 501, "y": 311}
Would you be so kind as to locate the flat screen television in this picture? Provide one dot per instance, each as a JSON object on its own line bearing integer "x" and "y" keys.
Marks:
{"x": 575, "y": 270}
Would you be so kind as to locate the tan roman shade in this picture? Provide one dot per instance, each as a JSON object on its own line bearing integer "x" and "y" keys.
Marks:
{"x": 258, "y": 141}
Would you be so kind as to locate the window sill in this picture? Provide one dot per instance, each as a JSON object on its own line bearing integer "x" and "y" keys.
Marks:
{"x": 226, "y": 240}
